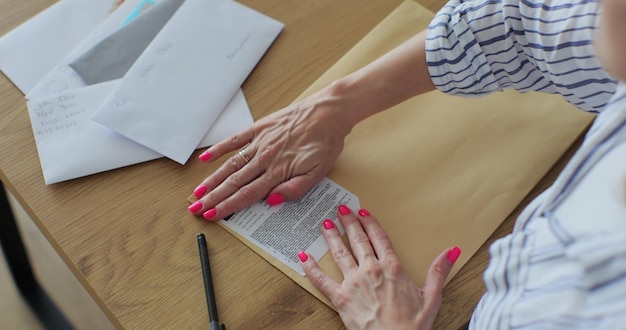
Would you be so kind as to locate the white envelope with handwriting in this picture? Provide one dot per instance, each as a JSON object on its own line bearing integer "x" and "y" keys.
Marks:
{"x": 186, "y": 76}
{"x": 71, "y": 145}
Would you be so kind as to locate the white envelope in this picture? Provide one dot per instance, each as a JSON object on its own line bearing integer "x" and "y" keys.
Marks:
{"x": 62, "y": 77}
{"x": 186, "y": 76}
{"x": 111, "y": 58}
{"x": 71, "y": 145}
{"x": 32, "y": 49}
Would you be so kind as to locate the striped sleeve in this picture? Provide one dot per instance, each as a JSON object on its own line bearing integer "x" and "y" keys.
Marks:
{"x": 476, "y": 47}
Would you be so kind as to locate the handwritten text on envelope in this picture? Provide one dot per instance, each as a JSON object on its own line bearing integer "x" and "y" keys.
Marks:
{"x": 211, "y": 46}
{"x": 62, "y": 104}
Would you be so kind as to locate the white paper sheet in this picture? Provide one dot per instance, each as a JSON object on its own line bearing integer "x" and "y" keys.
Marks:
{"x": 286, "y": 229}
{"x": 32, "y": 49}
{"x": 187, "y": 75}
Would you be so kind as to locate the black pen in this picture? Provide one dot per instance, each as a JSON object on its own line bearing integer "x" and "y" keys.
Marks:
{"x": 208, "y": 285}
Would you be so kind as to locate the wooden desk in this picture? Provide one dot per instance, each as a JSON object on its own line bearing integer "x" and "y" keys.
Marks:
{"x": 127, "y": 234}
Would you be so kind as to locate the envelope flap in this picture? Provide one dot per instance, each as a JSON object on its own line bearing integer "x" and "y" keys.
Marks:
{"x": 112, "y": 57}
{"x": 186, "y": 76}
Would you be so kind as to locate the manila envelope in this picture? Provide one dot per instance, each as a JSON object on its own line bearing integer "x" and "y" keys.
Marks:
{"x": 439, "y": 170}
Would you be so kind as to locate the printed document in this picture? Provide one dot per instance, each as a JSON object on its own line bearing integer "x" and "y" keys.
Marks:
{"x": 286, "y": 229}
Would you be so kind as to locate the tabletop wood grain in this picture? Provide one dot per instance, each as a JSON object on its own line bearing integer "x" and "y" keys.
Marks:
{"x": 127, "y": 235}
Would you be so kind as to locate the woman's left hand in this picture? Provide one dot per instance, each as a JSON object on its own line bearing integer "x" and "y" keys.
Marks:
{"x": 376, "y": 292}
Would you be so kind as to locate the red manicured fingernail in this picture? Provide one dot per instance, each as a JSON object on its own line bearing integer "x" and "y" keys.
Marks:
{"x": 328, "y": 224}
{"x": 195, "y": 207}
{"x": 364, "y": 212}
{"x": 454, "y": 254}
{"x": 303, "y": 256}
{"x": 200, "y": 191}
{"x": 209, "y": 214}
{"x": 275, "y": 199}
{"x": 205, "y": 156}
{"x": 343, "y": 210}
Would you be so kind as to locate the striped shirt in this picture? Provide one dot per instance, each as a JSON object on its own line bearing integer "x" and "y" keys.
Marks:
{"x": 564, "y": 264}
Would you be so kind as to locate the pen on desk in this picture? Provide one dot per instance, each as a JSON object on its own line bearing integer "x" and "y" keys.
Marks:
{"x": 208, "y": 285}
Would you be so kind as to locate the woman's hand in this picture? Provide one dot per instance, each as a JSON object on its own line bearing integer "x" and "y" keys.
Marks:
{"x": 283, "y": 155}
{"x": 376, "y": 292}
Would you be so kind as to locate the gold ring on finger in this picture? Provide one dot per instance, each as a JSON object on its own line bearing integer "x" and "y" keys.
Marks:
{"x": 242, "y": 153}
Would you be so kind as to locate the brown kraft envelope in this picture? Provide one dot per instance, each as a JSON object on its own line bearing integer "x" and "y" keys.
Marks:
{"x": 438, "y": 170}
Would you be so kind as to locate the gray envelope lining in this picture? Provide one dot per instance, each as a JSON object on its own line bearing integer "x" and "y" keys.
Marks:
{"x": 112, "y": 57}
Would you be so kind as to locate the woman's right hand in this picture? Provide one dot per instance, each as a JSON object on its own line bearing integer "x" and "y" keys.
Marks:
{"x": 289, "y": 151}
